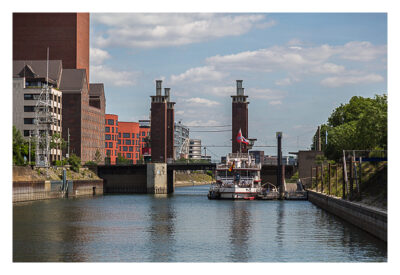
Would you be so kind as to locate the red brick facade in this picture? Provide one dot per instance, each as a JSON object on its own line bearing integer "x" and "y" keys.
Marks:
{"x": 170, "y": 130}
{"x": 66, "y": 35}
{"x": 158, "y": 131}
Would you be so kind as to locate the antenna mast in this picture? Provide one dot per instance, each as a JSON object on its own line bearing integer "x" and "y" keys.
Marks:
{"x": 43, "y": 121}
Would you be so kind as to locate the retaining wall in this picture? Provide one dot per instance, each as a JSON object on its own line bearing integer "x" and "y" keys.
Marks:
{"x": 41, "y": 190}
{"x": 368, "y": 219}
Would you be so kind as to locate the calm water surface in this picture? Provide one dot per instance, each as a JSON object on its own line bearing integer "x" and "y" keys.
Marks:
{"x": 185, "y": 227}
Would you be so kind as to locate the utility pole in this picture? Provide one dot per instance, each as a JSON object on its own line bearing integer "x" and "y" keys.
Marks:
{"x": 68, "y": 145}
{"x": 279, "y": 176}
{"x": 29, "y": 153}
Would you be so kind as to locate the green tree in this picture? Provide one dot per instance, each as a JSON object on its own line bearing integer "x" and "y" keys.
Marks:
{"x": 19, "y": 148}
{"x": 360, "y": 124}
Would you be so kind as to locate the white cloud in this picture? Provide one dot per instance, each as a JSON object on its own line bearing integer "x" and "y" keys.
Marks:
{"x": 107, "y": 75}
{"x": 298, "y": 59}
{"x": 148, "y": 30}
{"x": 97, "y": 56}
{"x": 284, "y": 82}
{"x": 201, "y": 102}
{"x": 203, "y": 122}
{"x": 361, "y": 51}
{"x": 198, "y": 74}
{"x": 275, "y": 102}
{"x": 338, "y": 81}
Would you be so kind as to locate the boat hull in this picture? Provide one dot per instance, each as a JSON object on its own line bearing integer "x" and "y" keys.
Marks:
{"x": 234, "y": 193}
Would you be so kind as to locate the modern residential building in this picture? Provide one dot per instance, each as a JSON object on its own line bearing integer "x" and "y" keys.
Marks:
{"x": 129, "y": 141}
{"x": 195, "y": 149}
{"x": 125, "y": 139}
{"x": 29, "y": 78}
{"x": 145, "y": 129}
{"x": 111, "y": 138}
{"x": 181, "y": 143}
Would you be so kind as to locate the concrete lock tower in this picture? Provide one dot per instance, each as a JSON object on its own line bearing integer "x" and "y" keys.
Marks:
{"x": 239, "y": 117}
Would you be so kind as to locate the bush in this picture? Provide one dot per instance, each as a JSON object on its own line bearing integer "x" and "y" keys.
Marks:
{"x": 60, "y": 163}
{"x": 75, "y": 162}
{"x": 90, "y": 163}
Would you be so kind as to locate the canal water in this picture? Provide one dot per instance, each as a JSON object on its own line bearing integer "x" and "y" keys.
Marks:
{"x": 185, "y": 227}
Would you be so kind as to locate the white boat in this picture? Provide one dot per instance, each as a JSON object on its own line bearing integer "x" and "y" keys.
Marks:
{"x": 237, "y": 178}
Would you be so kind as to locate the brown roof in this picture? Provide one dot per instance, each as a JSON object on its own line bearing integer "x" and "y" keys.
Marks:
{"x": 38, "y": 68}
{"x": 72, "y": 80}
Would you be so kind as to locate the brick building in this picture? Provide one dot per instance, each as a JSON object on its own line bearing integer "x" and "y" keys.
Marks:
{"x": 66, "y": 35}
{"x": 125, "y": 139}
{"x": 83, "y": 121}
{"x": 111, "y": 138}
{"x": 239, "y": 117}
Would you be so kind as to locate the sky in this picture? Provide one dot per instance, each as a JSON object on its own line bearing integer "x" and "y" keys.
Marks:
{"x": 296, "y": 68}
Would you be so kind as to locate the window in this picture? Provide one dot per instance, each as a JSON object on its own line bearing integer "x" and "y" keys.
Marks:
{"x": 112, "y": 129}
{"x": 133, "y": 142}
{"x": 110, "y": 122}
{"x": 108, "y": 137}
{"x": 142, "y": 139}
{"x": 128, "y": 142}
{"x": 137, "y": 135}
{"x": 29, "y": 120}
{"x": 112, "y": 137}
{"x": 29, "y": 108}
{"x": 119, "y": 141}
{"x": 137, "y": 142}
{"x": 116, "y": 122}
{"x": 31, "y": 96}
{"x": 125, "y": 148}
{"x": 128, "y": 155}
{"x": 125, "y": 135}
{"x": 110, "y": 145}
{"x": 137, "y": 149}
{"x": 26, "y": 133}
{"x": 136, "y": 155}
{"x": 108, "y": 152}
{"x": 119, "y": 134}
{"x": 130, "y": 148}
{"x": 105, "y": 145}
{"x": 143, "y": 133}
{"x": 107, "y": 129}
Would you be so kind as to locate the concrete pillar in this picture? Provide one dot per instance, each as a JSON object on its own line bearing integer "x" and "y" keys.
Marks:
{"x": 157, "y": 178}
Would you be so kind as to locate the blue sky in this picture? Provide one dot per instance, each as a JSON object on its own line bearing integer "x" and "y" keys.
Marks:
{"x": 296, "y": 68}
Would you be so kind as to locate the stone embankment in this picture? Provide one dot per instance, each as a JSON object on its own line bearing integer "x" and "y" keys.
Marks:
{"x": 370, "y": 219}
{"x": 37, "y": 184}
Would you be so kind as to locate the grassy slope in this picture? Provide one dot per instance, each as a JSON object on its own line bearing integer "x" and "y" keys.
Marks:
{"x": 373, "y": 184}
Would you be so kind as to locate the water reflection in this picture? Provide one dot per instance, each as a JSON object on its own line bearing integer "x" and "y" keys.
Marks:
{"x": 162, "y": 229}
{"x": 240, "y": 230}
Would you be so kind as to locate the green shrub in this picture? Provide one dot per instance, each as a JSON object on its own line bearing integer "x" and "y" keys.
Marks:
{"x": 75, "y": 162}
{"x": 90, "y": 163}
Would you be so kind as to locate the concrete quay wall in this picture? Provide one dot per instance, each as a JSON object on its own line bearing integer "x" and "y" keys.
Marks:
{"x": 42, "y": 190}
{"x": 366, "y": 218}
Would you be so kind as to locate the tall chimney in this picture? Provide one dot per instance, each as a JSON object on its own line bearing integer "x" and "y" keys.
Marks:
{"x": 239, "y": 88}
{"x": 158, "y": 87}
{"x": 166, "y": 90}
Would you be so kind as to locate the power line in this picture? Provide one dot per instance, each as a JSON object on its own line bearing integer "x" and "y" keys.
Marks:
{"x": 208, "y": 126}
{"x": 210, "y": 131}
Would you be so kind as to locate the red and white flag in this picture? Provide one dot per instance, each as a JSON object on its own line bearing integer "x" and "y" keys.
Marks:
{"x": 240, "y": 138}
